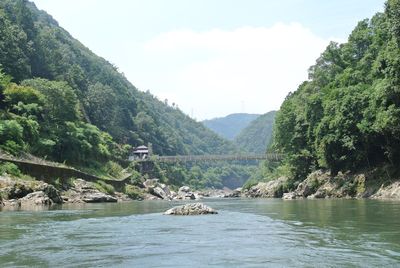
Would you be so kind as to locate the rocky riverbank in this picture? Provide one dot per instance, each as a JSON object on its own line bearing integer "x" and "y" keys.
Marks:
{"x": 21, "y": 193}
{"x": 321, "y": 184}
{"x": 24, "y": 193}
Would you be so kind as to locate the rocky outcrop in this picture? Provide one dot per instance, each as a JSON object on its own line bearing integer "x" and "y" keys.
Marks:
{"x": 85, "y": 192}
{"x": 36, "y": 198}
{"x": 321, "y": 184}
{"x": 391, "y": 191}
{"x": 21, "y": 193}
{"x": 157, "y": 189}
{"x": 184, "y": 193}
{"x": 271, "y": 189}
{"x": 191, "y": 209}
{"x": 234, "y": 194}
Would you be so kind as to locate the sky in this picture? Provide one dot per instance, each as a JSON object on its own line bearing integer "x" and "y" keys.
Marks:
{"x": 212, "y": 57}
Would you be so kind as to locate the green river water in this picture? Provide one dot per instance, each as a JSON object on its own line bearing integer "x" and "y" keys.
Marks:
{"x": 245, "y": 233}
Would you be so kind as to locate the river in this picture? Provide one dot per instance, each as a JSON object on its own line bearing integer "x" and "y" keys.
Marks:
{"x": 245, "y": 233}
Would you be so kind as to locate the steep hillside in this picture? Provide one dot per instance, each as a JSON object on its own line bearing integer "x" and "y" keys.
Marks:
{"x": 347, "y": 116}
{"x": 257, "y": 135}
{"x": 230, "y": 126}
{"x": 56, "y": 96}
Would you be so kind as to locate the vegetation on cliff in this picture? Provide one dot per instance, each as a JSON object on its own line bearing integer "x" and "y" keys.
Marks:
{"x": 346, "y": 117}
{"x": 59, "y": 100}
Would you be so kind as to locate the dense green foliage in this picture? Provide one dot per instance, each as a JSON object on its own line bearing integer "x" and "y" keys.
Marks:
{"x": 58, "y": 99}
{"x": 206, "y": 175}
{"x": 230, "y": 126}
{"x": 256, "y": 137}
{"x": 347, "y": 116}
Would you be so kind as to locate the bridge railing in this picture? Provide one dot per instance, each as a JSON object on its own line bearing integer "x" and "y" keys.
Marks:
{"x": 200, "y": 158}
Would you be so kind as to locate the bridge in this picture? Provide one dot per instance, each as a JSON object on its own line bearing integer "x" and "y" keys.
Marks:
{"x": 208, "y": 158}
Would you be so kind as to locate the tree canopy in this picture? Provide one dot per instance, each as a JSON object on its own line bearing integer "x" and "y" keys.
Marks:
{"x": 347, "y": 116}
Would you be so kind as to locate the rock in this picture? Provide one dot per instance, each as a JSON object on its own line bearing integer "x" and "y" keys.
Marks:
{"x": 150, "y": 183}
{"x": 392, "y": 191}
{"x": 98, "y": 197}
{"x": 271, "y": 189}
{"x": 316, "y": 185}
{"x": 289, "y": 196}
{"x": 14, "y": 189}
{"x": 121, "y": 197}
{"x": 151, "y": 197}
{"x": 51, "y": 192}
{"x": 12, "y": 203}
{"x": 191, "y": 209}
{"x": 36, "y": 198}
{"x": 234, "y": 194}
{"x": 160, "y": 190}
{"x": 162, "y": 193}
{"x": 184, "y": 189}
{"x": 86, "y": 192}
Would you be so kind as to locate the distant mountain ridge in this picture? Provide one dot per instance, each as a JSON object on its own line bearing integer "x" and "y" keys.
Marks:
{"x": 231, "y": 125}
{"x": 256, "y": 137}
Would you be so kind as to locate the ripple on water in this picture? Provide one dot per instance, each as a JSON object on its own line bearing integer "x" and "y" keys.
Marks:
{"x": 234, "y": 237}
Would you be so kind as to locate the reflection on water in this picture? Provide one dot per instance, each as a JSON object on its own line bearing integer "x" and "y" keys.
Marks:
{"x": 246, "y": 233}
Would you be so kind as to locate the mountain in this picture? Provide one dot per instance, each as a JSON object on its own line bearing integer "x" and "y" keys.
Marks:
{"x": 60, "y": 100}
{"x": 229, "y": 126}
{"x": 257, "y": 135}
{"x": 346, "y": 117}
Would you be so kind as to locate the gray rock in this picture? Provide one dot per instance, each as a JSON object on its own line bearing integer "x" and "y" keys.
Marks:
{"x": 191, "y": 209}
{"x": 150, "y": 183}
{"x": 84, "y": 191}
{"x": 12, "y": 203}
{"x": 268, "y": 189}
{"x": 163, "y": 193}
{"x": 36, "y": 198}
{"x": 289, "y": 196}
{"x": 14, "y": 189}
{"x": 391, "y": 191}
{"x": 234, "y": 194}
{"x": 184, "y": 189}
{"x": 98, "y": 197}
{"x": 51, "y": 192}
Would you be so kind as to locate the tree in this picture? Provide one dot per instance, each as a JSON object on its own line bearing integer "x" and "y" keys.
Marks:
{"x": 60, "y": 100}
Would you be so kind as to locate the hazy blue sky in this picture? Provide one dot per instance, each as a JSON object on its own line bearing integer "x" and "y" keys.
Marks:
{"x": 212, "y": 57}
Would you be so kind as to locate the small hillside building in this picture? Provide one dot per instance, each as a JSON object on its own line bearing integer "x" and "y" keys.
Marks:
{"x": 139, "y": 153}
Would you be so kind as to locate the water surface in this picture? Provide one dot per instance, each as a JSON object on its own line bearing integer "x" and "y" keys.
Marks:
{"x": 245, "y": 233}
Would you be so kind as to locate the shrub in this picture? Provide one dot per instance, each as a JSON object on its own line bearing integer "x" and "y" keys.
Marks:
{"x": 134, "y": 192}
{"x": 10, "y": 169}
{"x": 104, "y": 187}
{"x": 114, "y": 169}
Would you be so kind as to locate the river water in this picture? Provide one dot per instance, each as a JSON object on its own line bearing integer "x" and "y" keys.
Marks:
{"x": 245, "y": 233}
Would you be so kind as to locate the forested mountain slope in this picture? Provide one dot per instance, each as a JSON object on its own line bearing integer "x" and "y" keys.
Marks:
{"x": 231, "y": 125}
{"x": 257, "y": 135}
{"x": 59, "y": 99}
{"x": 347, "y": 116}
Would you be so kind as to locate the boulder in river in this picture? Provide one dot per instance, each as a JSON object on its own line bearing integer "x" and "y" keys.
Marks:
{"x": 191, "y": 209}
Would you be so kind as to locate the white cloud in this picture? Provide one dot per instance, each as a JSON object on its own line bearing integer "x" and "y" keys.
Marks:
{"x": 215, "y": 72}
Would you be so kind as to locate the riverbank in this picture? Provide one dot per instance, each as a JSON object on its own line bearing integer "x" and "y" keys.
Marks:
{"x": 26, "y": 192}
{"x": 375, "y": 184}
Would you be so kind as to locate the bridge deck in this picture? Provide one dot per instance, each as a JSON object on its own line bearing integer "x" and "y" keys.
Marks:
{"x": 205, "y": 158}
